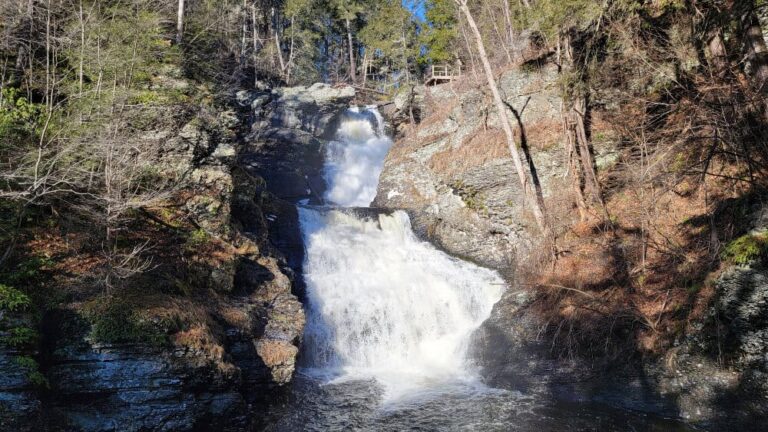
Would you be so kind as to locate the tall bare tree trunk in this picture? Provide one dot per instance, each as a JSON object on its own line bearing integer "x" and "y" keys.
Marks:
{"x": 718, "y": 56}
{"x": 757, "y": 52}
{"x": 278, "y": 45}
{"x": 255, "y": 43}
{"x": 469, "y": 46}
{"x": 352, "y": 67}
{"x": 82, "y": 50}
{"x": 244, "y": 36}
{"x": 532, "y": 197}
{"x": 180, "y": 23}
{"x": 576, "y": 121}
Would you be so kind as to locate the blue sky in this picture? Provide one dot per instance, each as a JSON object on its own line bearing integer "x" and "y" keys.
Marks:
{"x": 416, "y": 6}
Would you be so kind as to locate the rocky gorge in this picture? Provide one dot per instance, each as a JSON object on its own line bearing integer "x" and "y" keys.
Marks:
{"x": 246, "y": 168}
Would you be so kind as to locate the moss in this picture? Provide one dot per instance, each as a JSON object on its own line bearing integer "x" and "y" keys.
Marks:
{"x": 471, "y": 196}
{"x": 113, "y": 321}
{"x": 746, "y": 249}
{"x": 197, "y": 238}
{"x": 144, "y": 97}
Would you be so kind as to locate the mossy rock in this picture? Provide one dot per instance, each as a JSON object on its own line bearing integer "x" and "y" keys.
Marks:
{"x": 746, "y": 249}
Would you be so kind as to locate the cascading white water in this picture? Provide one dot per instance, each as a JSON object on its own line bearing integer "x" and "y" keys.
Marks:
{"x": 354, "y": 161}
{"x": 383, "y": 304}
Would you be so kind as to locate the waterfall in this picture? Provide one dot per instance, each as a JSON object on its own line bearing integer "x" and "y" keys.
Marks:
{"x": 355, "y": 159}
{"x": 382, "y": 304}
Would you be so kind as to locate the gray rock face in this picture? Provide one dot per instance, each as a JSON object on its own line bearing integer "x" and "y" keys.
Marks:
{"x": 287, "y": 141}
{"x": 454, "y": 175}
{"x": 719, "y": 373}
{"x": 743, "y": 305}
{"x": 312, "y": 109}
{"x": 19, "y": 402}
{"x": 134, "y": 388}
{"x": 254, "y": 321}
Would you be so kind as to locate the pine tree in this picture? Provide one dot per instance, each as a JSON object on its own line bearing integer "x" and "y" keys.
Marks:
{"x": 441, "y": 33}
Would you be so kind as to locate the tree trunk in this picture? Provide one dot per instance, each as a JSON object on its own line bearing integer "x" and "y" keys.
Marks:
{"x": 352, "y": 68}
{"x": 82, "y": 50}
{"x": 757, "y": 53}
{"x": 469, "y": 46}
{"x": 718, "y": 56}
{"x": 532, "y": 197}
{"x": 574, "y": 165}
{"x": 255, "y": 44}
{"x": 577, "y": 137}
{"x": 244, "y": 36}
{"x": 180, "y": 23}
{"x": 278, "y": 45}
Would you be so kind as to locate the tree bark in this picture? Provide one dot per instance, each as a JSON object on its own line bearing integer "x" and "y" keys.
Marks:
{"x": 352, "y": 68}
{"x": 82, "y": 50}
{"x": 180, "y": 23}
{"x": 718, "y": 56}
{"x": 255, "y": 43}
{"x": 757, "y": 53}
{"x": 532, "y": 197}
{"x": 278, "y": 45}
{"x": 577, "y": 138}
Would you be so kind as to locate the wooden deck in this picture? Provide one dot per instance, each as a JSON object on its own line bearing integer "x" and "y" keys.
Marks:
{"x": 441, "y": 74}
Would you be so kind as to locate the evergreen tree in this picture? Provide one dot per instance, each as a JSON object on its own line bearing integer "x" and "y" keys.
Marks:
{"x": 391, "y": 37}
{"x": 441, "y": 33}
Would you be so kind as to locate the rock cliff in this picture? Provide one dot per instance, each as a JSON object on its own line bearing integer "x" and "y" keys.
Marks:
{"x": 211, "y": 333}
{"x": 449, "y": 168}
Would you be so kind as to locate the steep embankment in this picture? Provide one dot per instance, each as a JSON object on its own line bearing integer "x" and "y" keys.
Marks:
{"x": 632, "y": 313}
{"x": 208, "y": 332}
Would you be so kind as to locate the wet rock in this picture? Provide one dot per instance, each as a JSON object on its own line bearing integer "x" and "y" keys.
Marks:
{"x": 20, "y": 406}
{"x": 134, "y": 388}
{"x": 287, "y": 143}
{"x": 313, "y": 109}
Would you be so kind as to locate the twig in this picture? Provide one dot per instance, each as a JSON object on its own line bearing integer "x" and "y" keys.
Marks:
{"x": 569, "y": 289}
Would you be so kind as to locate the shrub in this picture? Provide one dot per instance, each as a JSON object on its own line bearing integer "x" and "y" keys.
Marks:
{"x": 35, "y": 377}
{"x": 116, "y": 322}
{"x": 20, "y": 337}
{"x": 13, "y": 300}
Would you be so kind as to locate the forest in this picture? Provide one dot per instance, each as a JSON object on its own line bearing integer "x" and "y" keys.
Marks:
{"x": 146, "y": 147}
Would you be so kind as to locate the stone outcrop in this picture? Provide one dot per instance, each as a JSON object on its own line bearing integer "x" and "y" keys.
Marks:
{"x": 454, "y": 175}
{"x": 285, "y": 147}
{"x": 233, "y": 343}
{"x": 19, "y": 402}
{"x": 718, "y": 374}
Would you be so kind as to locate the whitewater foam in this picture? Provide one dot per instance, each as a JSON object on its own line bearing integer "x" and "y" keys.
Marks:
{"x": 381, "y": 304}
{"x": 354, "y": 160}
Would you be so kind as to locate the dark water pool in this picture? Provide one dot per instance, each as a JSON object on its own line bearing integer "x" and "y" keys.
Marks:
{"x": 359, "y": 406}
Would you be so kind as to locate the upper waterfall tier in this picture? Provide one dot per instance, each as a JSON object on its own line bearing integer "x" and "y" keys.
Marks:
{"x": 355, "y": 159}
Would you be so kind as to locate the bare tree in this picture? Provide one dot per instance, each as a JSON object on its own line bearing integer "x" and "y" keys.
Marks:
{"x": 180, "y": 22}
{"x": 533, "y": 197}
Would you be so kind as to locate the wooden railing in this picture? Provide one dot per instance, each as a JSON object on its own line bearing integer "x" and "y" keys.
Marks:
{"x": 440, "y": 73}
